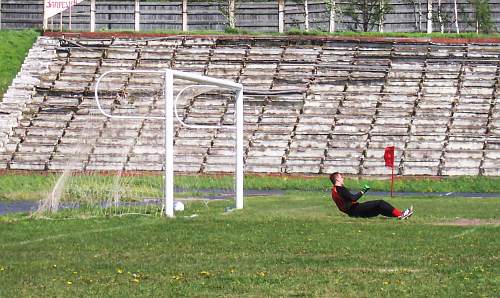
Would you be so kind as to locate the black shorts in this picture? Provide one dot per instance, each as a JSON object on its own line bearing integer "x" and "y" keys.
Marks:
{"x": 371, "y": 209}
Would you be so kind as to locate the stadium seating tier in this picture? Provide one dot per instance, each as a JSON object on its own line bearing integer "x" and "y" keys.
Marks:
{"x": 316, "y": 107}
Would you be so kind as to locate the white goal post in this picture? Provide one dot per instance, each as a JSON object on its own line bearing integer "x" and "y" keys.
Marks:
{"x": 169, "y": 76}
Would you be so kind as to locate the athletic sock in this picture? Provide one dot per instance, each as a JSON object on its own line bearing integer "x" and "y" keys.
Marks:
{"x": 396, "y": 212}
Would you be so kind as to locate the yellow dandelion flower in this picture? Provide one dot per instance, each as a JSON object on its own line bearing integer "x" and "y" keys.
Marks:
{"x": 136, "y": 275}
{"x": 135, "y": 280}
{"x": 69, "y": 283}
{"x": 119, "y": 271}
{"x": 205, "y": 273}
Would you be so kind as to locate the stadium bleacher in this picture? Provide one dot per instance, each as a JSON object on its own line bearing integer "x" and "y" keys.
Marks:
{"x": 436, "y": 103}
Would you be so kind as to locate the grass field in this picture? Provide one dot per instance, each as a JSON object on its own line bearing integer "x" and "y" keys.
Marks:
{"x": 14, "y": 45}
{"x": 291, "y": 245}
{"x": 15, "y": 187}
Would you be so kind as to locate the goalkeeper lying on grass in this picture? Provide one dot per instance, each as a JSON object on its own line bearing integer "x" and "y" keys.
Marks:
{"x": 348, "y": 202}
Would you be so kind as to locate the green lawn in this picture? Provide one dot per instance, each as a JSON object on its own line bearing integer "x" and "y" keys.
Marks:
{"x": 14, "y": 45}
{"x": 291, "y": 245}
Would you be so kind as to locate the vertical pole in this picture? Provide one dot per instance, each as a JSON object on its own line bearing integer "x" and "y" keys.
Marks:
{"x": 92, "y": 15}
{"x": 281, "y": 16}
{"x": 184, "y": 16}
{"x": 239, "y": 150}
{"x": 381, "y": 19}
{"x": 332, "y": 17}
{"x": 440, "y": 18}
{"x": 456, "y": 16}
{"x": 45, "y": 19}
{"x": 231, "y": 13}
{"x": 70, "y": 13}
{"x": 429, "y": 16}
{"x": 392, "y": 180}
{"x": 169, "y": 144}
{"x": 306, "y": 15}
{"x": 1, "y": 16}
{"x": 137, "y": 16}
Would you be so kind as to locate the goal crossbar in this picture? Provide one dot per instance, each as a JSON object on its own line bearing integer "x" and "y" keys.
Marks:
{"x": 169, "y": 75}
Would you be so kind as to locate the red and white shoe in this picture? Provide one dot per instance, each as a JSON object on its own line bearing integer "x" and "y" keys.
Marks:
{"x": 407, "y": 213}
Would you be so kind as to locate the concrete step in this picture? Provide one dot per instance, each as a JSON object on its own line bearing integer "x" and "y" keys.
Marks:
{"x": 421, "y": 167}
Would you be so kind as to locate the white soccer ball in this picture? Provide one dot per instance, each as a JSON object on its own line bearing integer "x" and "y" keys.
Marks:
{"x": 178, "y": 206}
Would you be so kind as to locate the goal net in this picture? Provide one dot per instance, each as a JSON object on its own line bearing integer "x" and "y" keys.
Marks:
{"x": 122, "y": 146}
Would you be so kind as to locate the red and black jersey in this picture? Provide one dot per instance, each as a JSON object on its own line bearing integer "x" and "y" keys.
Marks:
{"x": 343, "y": 198}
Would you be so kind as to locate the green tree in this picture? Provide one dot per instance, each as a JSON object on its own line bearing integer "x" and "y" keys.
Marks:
{"x": 482, "y": 16}
{"x": 305, "y": 3}
{"x": 417, "y": 13}
{"x": 365, "y": 14}
{"x": 335, "y": 14}
{"x": 228, "y": 10}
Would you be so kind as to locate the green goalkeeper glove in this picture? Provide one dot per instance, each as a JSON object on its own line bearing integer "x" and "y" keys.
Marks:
{"x": 365, "y": 188}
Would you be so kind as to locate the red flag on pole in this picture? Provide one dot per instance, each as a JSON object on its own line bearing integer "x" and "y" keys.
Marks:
{"x": 389, "y": 162}
{"x": 389, "y": 156}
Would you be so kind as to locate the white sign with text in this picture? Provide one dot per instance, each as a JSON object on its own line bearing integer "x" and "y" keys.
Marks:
{"x": 53, "y": 7}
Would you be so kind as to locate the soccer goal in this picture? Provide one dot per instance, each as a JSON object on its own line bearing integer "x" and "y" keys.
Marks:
{"x": 128, "y": 127}
{"x": 170, "y": 111}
